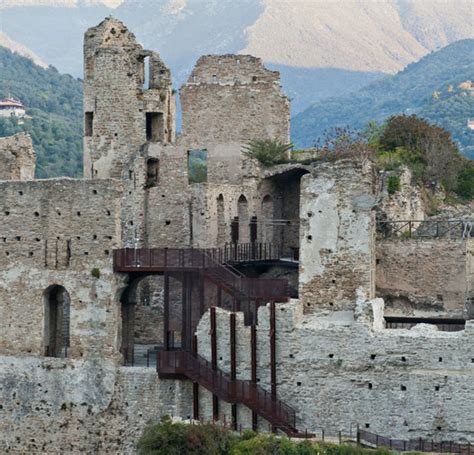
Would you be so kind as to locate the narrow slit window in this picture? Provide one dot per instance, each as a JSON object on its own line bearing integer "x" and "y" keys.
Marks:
{"x": 89, "y": 124}
{"x": 197, "y": 166}
{"x": 146, "y": 73}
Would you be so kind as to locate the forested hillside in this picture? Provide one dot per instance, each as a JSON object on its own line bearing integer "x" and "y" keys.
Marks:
{"x": 438, "y": 88}
{"x": 54, "y": 103}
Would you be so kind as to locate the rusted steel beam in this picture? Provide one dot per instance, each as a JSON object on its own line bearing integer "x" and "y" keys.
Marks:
{"x": 215, "y": 400}
{"x": 233, "y": 363}
{"x": 253, "y": 360}
{"x": 273, "y": 349}
{"x": 189, "y": 312}
{"x": 166, "y": 313}
{"x": 184, "y": 284}
{"x": 195, "y": 384}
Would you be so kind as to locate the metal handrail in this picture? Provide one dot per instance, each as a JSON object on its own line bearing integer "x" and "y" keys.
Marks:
{"x": 246, "y": 392}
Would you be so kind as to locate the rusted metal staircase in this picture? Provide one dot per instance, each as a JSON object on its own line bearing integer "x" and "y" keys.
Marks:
{"x": 276, "y": 412}
{"x": 174, "y": 364}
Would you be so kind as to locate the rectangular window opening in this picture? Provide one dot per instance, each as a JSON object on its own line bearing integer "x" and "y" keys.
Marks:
{"x": 197, "y": 166}
{"x": 153, "y": 172}
{"x": 89, "y": 124}
{"x": 155, "y": 126}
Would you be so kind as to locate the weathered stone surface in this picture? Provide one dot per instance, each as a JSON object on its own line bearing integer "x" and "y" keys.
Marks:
{"x": 425, "y": 277}
{"x": 336, "y": 364}
{"x": 17, "y": 158}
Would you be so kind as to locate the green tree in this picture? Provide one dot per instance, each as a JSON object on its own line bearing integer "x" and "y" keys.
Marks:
{"x": 267, "y": 151}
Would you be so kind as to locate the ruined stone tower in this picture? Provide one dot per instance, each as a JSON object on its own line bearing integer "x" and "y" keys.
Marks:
{"x": 128, "y": 100}
{"x": 128, "y": 103}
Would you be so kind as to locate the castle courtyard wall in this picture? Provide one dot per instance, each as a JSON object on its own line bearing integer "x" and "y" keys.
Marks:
{"x": 420, "y": 277}
{"x": 55, "y": 232}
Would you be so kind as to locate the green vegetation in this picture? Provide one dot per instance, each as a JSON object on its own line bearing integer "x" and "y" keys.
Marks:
{"x": 267, "y": 151}
{"x": 168, "y": 438}
{"x": 54, "y": 103}
{"x": 393, "y": 184}
{"x": 197, "y": 166}
{"x": 435, "y": 88}
{"x": 427, "y": 150}
{"x": 95, "y": 272}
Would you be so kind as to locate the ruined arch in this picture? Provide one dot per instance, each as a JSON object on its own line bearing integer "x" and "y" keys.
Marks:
{"x": 57, "y": 305}
{"x": 243, "y": 214}
{"x": 142, "y": 313}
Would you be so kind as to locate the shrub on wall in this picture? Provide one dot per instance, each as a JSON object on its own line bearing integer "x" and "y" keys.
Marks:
{"x": 393, "y": 184}
{"x": 267, "y": 151}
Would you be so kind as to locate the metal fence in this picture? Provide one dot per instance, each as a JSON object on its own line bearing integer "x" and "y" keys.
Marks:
{"x": 426, "y": 228}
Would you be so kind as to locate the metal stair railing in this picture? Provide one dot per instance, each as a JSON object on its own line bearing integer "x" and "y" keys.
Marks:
{"x": 199, "y": 370}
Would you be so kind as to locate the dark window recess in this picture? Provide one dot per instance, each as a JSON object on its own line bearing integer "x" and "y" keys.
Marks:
{"x": 57, "y": 304}
{"x": 443, "y": 324}
{"x": 155, "y": 126}
{"x": 152, "y": 172}
{"x": 197, "y": 166}
{"x": 89, "y": 124}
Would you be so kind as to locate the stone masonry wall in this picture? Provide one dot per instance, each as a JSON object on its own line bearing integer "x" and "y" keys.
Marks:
{"x": 337, "y": 245}
{"x": 17, "y": 158}
{"x": 78, "y": 406}
{"x": 425, "y": 276}
{"x": 55, "y": 232}
{"x": 339, "y": 372}
{"x": 233, "y": 98}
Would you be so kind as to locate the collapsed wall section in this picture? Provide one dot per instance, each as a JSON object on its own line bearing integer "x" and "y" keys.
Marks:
{"x": 56, "y": 233}
{"x": 17, "y": 158}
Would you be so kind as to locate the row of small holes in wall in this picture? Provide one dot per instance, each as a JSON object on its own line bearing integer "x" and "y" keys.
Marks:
{"x": 37, "y": 239}
{"x": 31, "y": 254}
{"x": 58, "y": 212}
{"x": 402, "y": 358}
{"x": 21, "y": 192}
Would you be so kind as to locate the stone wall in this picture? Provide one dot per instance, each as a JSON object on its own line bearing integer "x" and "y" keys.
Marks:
{"x": 55, "y": 232}
{"x": 233, "y": 98}
{"x": 17, "y": 158}
{"x": 406, "y": 204}
{"x": 79, "y": 406}
{"x": 125, "y": 107}
{"x": 338, "y": 372}
{"x": 419, "y": 277}
{"x": 337, "y": 225}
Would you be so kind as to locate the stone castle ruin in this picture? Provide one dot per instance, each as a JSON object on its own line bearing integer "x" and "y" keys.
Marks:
{"x": 265, "y": 297}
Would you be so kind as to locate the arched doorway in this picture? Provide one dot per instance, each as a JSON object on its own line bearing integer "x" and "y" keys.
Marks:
{"x": 243, "y": 214}
{"x": 142, "y": 320}
{"x": 57, "y": 321}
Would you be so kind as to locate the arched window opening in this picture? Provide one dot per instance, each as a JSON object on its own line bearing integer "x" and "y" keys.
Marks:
{"x": 221, "y": 224}
{"x": 57, "y": 322}
{"x": 142, "y": 321}
{"x": 243, "y": 214}
{"x": 267, "y": 219}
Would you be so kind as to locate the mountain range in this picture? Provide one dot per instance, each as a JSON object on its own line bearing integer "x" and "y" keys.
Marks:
{"x": 439, "y": 88}
{"x": 322, "y": 47}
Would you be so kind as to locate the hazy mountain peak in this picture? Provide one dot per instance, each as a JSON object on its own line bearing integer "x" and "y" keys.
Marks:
{"x": 59, "y": 3}
{"x": 7, "y": 42}
{"x": 359, "y": 35}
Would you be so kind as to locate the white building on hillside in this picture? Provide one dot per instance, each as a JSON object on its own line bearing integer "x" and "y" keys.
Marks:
{"x": 9, "y": 107}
